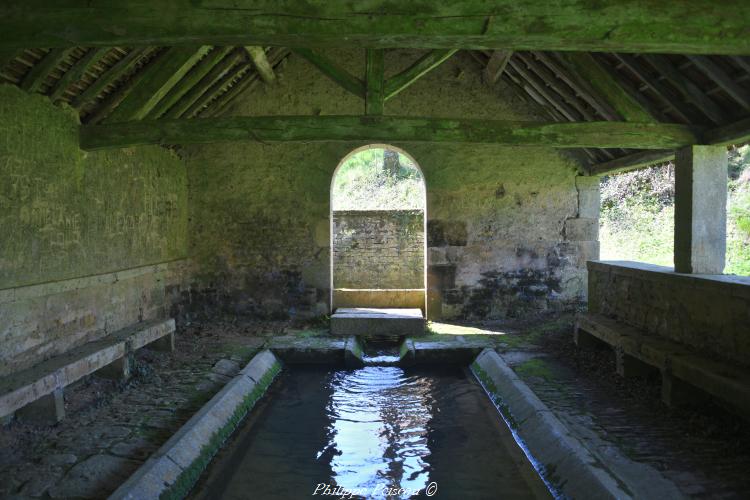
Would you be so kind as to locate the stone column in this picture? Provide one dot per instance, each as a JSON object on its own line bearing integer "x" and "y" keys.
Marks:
{"x": 583, "y": 230}
{"x": 700, "y": 216}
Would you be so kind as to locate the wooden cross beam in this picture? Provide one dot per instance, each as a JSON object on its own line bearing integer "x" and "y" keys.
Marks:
{"x": 685, "y": 27}
{"x": 421, "y": 67}
{"x": 374, "y": 128}
{"x": 333, "y": 71}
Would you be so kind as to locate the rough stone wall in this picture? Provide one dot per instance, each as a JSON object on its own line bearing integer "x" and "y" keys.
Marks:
{"x": 77, "y": 229}
{"x": 381, "y": 249}
{"x": 497, "y": 216}
{"x": 706, "y": 312}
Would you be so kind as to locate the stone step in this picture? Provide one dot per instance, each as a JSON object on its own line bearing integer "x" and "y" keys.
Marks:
{"x": 378, "y": 322}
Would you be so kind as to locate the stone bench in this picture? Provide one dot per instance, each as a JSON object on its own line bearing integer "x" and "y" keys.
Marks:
{"x": 681, "y": 369}
{"x": 38, "y": 391}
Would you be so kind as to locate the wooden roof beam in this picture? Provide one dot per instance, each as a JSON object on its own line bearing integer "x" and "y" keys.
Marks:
{"x": 333, "y": 71}
{"x": 719, "y": 76}
{"x": 219, "y": 70}
{"x": 109, "y": 76}
{"x": 657, "y": 27}
{"x": 34, "y": 79}
{"x": 539, "y": 86}
{"x": 189, "y": 81}
{"x": 76, "y": 71}
{"x": 217, "y": 88}
{"x": 496, "y": 65}
{"x": 421, "y": 67}
{"x": 154, "y": 82}
{"x": 687, "y": 88}
{"x": 590, "y": 70}
{"x": 260, "y": 61}
{"x": 388, "y": 128}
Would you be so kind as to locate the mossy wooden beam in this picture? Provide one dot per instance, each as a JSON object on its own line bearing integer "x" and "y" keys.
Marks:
{"x": 388, "y": 128}
{"x": 260, "y": 61}
{"x": 421, "y": 67}
{"x": 76, "y": 71}
{"x": 156, "y": 81}
{"x": 330, "y": 69}
{"x": 34, "y": 79}
{"x": 189, "y": 81}
{"x": 375, "y": 82}
{"x": 219, "y": 70}
{"x": 685, "y": 27}
{"x": 110, "y": 76}
{"x": 590, "y": 70}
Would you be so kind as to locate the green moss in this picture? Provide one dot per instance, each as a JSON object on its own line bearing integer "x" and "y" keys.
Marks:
{"x": 491, "y": 389}
{"x": 535, "y": 367}
{"x": 184, "y": 483}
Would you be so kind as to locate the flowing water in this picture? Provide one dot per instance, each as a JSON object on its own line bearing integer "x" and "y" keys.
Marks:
{"x": 375, "y": 432}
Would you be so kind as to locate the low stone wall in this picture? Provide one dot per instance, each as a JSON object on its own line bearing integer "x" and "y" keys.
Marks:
{"x": 41, "y": 321}
{"x": 710, "y": 313}
{"x": 378, "y": 249}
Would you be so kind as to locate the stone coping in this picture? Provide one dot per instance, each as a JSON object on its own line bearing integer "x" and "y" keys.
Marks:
{"x": 25, "y": 292}
{"x": 175, "y": 467}
{"x": 738, "y": 286}
{"x": 565, "y": 462}
{"x": 381, "y": 211}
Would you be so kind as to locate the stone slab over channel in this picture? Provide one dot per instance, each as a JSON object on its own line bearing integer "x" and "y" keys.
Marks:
{"x": 556, "y": 451}
{"x": 172, "y": 470}
{"x": 378, "y": 322}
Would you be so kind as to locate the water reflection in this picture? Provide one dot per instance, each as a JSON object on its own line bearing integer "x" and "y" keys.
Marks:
{"x": 378, "y": 431}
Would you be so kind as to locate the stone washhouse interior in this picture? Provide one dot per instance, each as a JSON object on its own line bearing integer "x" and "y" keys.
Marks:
{"x": 351, "y": 249}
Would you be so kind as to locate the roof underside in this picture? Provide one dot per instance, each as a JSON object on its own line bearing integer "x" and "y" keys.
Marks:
{"x": 706, "y": 91}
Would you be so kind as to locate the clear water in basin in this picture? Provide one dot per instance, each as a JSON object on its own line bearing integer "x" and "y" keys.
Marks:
{"x": 375, "y": 432}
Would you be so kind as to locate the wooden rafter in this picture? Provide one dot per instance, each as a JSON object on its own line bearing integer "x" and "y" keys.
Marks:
{"x": 333, "y": 71}
{"x": 718, "y": 75}
{"x": 388, "y": 128}
{"x": 673, "y": 101}
{"x": 189, "y": 81}
{"x": 34, "y": 79}
{"x": 421, "y": 67}
{"x": 216, "y": 89}
{"x": 156, "y": 81}
{"x": 107, "y": 78}
{"x": 496, "y": 65}
{"x": 216, "y": 72}
{"x": 589, "y": 69}
{"x": 76, "y": 71}
{"x": 688, "y": 89}
{"x": 260, "y": 61}
{"x": 538, "y": 84}
{"x": 374, "y": 82}
{"x": 632, "y": 161}
{"x": 470, "y": 24}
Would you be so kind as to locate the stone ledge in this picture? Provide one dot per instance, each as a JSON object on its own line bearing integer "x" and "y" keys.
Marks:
{"x": 554, "y": 449}
{"x": 173, "y": 469}
{"x": 737, "y": 286}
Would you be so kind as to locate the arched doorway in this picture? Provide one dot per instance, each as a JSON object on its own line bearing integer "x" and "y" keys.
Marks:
{"x": 378, "y": 226}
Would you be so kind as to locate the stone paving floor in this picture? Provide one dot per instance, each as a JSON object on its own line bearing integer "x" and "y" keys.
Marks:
{"x": 111, "y": 428}
{"x": 704, "y": 449}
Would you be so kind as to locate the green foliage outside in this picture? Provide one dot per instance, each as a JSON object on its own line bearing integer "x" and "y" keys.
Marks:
{"x": 366, "y": 182}
{"x": 637, "y": 217}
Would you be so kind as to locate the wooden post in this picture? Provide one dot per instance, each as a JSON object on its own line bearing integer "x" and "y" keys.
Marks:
{"x": 374, "y": 71}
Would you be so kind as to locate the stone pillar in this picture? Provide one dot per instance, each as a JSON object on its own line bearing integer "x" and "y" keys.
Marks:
{"x": 583, "y": 230}
{"x": 700, "y": 215}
